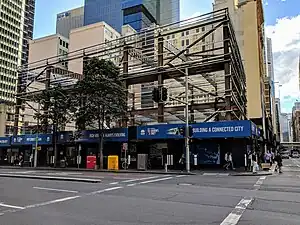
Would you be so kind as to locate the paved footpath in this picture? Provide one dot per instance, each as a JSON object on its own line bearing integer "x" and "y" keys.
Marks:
{"x": 156, "y": 199}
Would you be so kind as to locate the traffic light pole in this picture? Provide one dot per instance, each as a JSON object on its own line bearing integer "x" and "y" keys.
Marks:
{"x": 187, "y": 145}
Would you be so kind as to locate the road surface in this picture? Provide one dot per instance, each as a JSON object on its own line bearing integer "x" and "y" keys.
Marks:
{"x": 140, "y": 199}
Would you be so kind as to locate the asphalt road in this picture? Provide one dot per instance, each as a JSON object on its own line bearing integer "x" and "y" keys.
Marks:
{"x": 138, "y": 199}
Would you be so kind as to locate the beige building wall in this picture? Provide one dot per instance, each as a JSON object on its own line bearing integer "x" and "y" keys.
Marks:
{"x": 88, "y": 36}
{"x": 245, "y": 17}
{"x": 51, "y": 48}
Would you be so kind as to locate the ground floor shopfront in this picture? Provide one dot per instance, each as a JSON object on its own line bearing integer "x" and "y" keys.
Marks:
{"x": 161, "y": 143}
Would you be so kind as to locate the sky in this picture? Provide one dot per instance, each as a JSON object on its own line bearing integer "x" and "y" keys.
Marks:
{"x": 282, "y": 21}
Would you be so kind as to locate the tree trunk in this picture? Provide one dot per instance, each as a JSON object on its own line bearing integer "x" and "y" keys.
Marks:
{"x": 55, "y": 144}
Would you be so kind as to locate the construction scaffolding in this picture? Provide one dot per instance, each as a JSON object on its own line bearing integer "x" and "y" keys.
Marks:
{"x": 204, "y": 47}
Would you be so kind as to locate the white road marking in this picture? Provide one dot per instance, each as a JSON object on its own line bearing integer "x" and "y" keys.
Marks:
{"x": 131, "y": 185}
{"x": 234, "y": 217}
{"x": 53, "y": 189}
{"x": 259, "y": 182}
{"x": 52, "y": 202}
{"x": 185, "y": 184}
{"x": 11, "y": 206}
{"x": 21, "y": 172}
{"x": 114, "y": 183}
{"x": 157, "y": 180}
{"x": 105, "y": 190}
{"x": 140, "y": 179}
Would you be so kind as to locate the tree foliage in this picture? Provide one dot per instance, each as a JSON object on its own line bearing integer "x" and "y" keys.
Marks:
{"x": 101, "y": 96}
{"x": 98, "y": 98}
{"x": 55, "y": 108}
{"x": 101, "y": 93}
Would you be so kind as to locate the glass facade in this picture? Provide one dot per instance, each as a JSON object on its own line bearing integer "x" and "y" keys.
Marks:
{"x": 109, "y": 11}
{"x": 137, "y": 13}
{"x": 138, "y": 17}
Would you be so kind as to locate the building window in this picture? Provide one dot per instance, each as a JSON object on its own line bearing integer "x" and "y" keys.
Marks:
{"x": 182, "y": 43}
{"x": 203, "y": 29}
{"x": 60, "y": 42}
{"x": 197, "y": 30}
{"x": 173, "y": 36}
{"x": 203, "y": 48}
{"x": 187, "y": 42}
{"x": 182, "y": 34}
{"x": 187, "y": 32}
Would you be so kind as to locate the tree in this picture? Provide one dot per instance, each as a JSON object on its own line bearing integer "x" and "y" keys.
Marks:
{"x": 57, "y": 108}
{"x": 101, "y": 97}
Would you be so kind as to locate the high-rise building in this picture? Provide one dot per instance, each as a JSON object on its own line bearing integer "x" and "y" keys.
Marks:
{"x": 137, "y": 13}
{"x": 285, "y": 122}
{"x": 28, "y": 29}
{"x": 169, "y": 11}
{"x": 109, "y": 11}
{"x": 248, "y": 22}
{"x": 16, "y": 25}
{"x": 66, "y": 21}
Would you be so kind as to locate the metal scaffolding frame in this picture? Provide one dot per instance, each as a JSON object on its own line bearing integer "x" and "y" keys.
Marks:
{"x": 207, "y": 51}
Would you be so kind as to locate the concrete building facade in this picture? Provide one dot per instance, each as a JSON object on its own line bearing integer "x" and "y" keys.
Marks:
{"x": 248, "y": 21}
{"x": 13, "y": 26}
{"x": 39, "y": 50}
{"x": 71, "y": 19}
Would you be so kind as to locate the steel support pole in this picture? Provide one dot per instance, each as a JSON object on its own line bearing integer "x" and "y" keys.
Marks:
{"x": 187, "y": 146}
{"x": 37, "y": 138}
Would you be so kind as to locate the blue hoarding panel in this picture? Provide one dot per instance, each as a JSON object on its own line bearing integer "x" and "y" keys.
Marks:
{"x": 207, "y": 153}
{"x": 30, "y": 139}
{"x": 65, "y": 136}
{"x": 224, "y": 129}
{"x": 4, "y": 141}
{"x": 112, "y": 135}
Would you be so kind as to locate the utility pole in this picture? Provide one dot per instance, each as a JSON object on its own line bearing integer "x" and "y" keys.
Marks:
{"x": 187, "y": 146}
{"x": 37, "y": 138}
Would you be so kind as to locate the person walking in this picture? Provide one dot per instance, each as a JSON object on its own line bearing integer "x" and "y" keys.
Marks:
{"x": 182, "y": 162}
{"x": 226, "y": 159}
{"x": 278, "y": 159}
{"x": 254, "y": 163}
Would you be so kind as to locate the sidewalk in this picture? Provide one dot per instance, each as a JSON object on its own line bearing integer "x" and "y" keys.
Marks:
{"x": 259, "y": 173}
{"x": 169, "y": 172}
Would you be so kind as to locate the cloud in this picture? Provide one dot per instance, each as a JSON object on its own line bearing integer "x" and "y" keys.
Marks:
{"x": 285, "y": 36}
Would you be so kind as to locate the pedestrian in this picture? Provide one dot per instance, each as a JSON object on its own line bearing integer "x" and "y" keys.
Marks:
{"x": 227, "y": 163}
{"x": 182, "y": 162}
{"x": 278, "y": 159}
{"x": 254, "y": 163}
{"x": 230, "y": 161}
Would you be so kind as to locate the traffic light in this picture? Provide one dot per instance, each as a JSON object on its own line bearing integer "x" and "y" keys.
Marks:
{"x": 155, "y": 95}
{"x": 183, "y": 133}
{"x": 182, "y": 130}
{"x": 164, "y": 94}
{"x": 190, "y": 131}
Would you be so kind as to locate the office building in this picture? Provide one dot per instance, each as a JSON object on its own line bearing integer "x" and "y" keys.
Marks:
{"x": 40, "y": 49}
{"x": 109, "y": 11}
{"x": 71, "y": 19}
{"x": 28, "y": 28}
{"x": 270, "y": 97}
{"x": 277, "y": 114}
{"x": 248, "y": 21}
{"x": 137, "y": 13}
{"x": 16, "y": 22}
{"x": 93, "y": 35}
{"x": 285, "y": 121}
